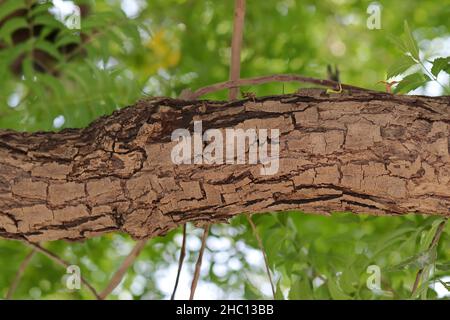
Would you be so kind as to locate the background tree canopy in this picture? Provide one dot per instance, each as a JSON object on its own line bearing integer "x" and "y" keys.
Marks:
{"x": 54, "y": 77}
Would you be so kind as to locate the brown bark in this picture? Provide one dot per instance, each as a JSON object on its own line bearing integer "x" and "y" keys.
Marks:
{"x": 362, "y": 152}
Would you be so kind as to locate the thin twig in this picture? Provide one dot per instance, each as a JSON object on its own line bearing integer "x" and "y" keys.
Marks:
{"x": 198, "y": 265}
{"x": 261, "y": 247}
{"x": 433, "y": 244}
{"x": 236, "y": 44}
{"x": 180, "y": 262}
{"x": 20, "y": 273}
{"x": 416, "y": 282}
{"x": 120, "y": 273}
{"x": 270, "y": 78}
{"x": 63, "y": 263}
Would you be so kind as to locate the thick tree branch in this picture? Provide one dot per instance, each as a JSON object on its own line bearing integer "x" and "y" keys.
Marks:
{"x": 359, "y": 151}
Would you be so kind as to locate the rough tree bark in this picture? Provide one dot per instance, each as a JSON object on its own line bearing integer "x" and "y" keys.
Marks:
{"x": 362, "y": 152}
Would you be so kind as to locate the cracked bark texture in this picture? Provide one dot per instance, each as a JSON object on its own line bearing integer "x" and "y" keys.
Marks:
{"x": 362, "y": 152}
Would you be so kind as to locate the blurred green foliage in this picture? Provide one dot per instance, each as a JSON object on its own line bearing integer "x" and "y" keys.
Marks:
{"x": 127, "y": 49}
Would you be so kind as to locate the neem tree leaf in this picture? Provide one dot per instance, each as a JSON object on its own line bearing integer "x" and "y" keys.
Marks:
{"x": 400, "y": 65}
{"x": 440, "y": 64}
{"x": 409, "y": 42}
{"x": 10, "y": 6}
{"x": 411, "y": 82}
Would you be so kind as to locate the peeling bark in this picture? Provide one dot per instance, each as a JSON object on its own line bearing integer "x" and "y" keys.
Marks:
{"x": 362, "y": 152}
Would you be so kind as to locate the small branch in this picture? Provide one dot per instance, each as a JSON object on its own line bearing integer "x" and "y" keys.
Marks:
{"x": 433, "y": 244}
{"x": 261, "y": 247}
{"x": 416, "y": 282}
{"x": 20, "y": 273}
{"x": 266, "y": 79}
{"x": 180, "y": 262}
{"x": 438, "y": 234}
{"x": 63, "y": 263}
{"x": 120, "y": 273}
{"x": 236, "y": 44}
{"x": 198, "y": 265}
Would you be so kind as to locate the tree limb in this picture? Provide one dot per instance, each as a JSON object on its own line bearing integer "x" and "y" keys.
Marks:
{"x": 357, "y": 151}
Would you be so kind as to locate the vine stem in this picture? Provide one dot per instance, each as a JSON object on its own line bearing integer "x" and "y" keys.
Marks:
{"x": 20, "y": 273}
{"x": 180, "y": 262}
{"x": 193, "y": 95}
{"x": 63, "y": 263}
{"x": 122, "y": 270}
{"x": 261, "y": 247}
{"x": 198, "y": 265}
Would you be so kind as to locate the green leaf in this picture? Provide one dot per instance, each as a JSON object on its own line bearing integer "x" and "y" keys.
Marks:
{"x": 410, "y": 42}
{"x": 400, "y": 65}
{"x": 348, "y": 280}
{"x": 445, "y": 284}
{"x": 429, "y": 235}
{"x": 45, "y": 32}
{"x": 440, "y": 64}
{"x": 28, "y": 69}
{"x": 10, "y": 26}
{"x": 398, "y": 41}
{"x": 423, "y": 289}
{"x": 443, "y": 266}
{"x": 386, "y": 241}
{"x": 335, "y": 291}
{"x": 48, "y": 21}
{"x": 278, "y": 292}
{"x": 251, "y": 292}
{"x": 411, "y": 82}
{"x": 52, "y": 83}
{"x": 10, "y": 6}
{"x": 65, "y": 38}
{"x": 49, "y": 48}
{"x": 418, "y": 261}
{"x": 322, "y": 293}
{"x": 300, "y": 289}
{"x": 41, "y": 9}
{"x": 9, "y": 55}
